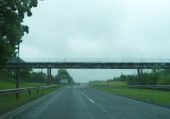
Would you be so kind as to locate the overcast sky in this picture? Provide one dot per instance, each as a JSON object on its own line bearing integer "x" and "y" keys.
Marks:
{"x": 98, "y": 29}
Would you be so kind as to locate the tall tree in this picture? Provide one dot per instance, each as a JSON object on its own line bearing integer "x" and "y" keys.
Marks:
{"x": 12, "y": 13}
{"x": 63, "y": 74}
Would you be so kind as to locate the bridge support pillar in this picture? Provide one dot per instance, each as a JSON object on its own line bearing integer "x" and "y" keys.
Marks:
{"x": 140, "y": 73}
{"x": 48, "y": 75}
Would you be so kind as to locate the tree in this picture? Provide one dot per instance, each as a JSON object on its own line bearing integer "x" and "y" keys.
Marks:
{"x": 38, "y": 77}
{"x": 155, "y": 75}
{"x": 164, "y": 78}
{"x": 12, "y": 13}
{"x": 28, "y": 75}
{"x": 63, "y": 74}
{"x": 25, "y": 74}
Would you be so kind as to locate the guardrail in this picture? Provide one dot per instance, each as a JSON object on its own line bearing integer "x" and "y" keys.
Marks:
{"x": 21, "y": 90}
{"x": 156, "y": 87}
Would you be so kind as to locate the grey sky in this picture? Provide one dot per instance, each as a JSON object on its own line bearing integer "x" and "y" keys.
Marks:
{"x": 98, "y": 29}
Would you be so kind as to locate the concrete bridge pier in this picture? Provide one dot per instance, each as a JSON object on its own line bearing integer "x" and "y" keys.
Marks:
{"x": 140, "y": 73}
{"x": 48, "y": 75}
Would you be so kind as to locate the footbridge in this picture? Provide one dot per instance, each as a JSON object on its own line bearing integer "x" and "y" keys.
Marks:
{"x": 87, "y": 63}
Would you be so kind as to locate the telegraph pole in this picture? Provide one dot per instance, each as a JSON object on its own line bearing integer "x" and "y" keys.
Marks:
{"x": 17, "y": 70}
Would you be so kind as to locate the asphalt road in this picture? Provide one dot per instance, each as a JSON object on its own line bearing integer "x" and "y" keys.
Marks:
{"x": 75, "y": 102}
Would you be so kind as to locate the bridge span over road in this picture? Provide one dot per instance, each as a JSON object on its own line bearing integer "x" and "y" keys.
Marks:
{"x": 92, "y": 63}
{"x": 50, "y": 64}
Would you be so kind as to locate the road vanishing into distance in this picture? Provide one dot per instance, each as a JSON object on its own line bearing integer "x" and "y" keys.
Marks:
{"x": 78, "y": 102}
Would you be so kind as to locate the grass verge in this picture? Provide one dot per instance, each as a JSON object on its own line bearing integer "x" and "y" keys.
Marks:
{"x": 9, "y": 102}
{"x": 7, "y": 83}
{"x": 113, "y": 83}
{"x": 149, "y": 95}
{"x": 12, "y": 85}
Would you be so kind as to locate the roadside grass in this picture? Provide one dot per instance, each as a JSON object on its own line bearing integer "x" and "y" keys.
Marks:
{"x": 9, "y": 102}
{"x": 7, "y": 83}
{"x": 11, "y": 85}
{"x": 149, "y": 95}
{"x": 113, "y": 83}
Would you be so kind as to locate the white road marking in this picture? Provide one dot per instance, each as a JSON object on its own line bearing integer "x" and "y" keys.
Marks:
{"x": 92, "y": 101}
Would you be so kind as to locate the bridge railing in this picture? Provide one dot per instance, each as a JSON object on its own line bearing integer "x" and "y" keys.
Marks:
{"x": 97, "y": 60}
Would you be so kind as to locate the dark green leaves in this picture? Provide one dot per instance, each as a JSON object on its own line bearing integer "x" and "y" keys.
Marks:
{"x": 63, "y": 74}
{"x": 12, "y": 13}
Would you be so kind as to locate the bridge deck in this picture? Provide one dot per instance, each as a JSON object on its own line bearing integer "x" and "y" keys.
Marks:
{"x": 92, "y": 65}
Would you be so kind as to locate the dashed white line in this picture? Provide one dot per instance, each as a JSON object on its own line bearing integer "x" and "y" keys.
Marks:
{"x": 92, "y": 101}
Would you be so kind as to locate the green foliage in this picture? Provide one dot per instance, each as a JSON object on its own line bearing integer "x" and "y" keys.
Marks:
{"x": 164, "y": 78}
{"x": 155, "y": 77}
{"x": 7, "y": 82}
{"x": 144, "y": 79}
{"x": 29, "y": 76}
{"x": 38, "y": 77}
{"x": 108, "y": 83}
{"x": 12, "y": 13}
{"x": 63, "y": 74}
{"x": 25, "y": 75}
